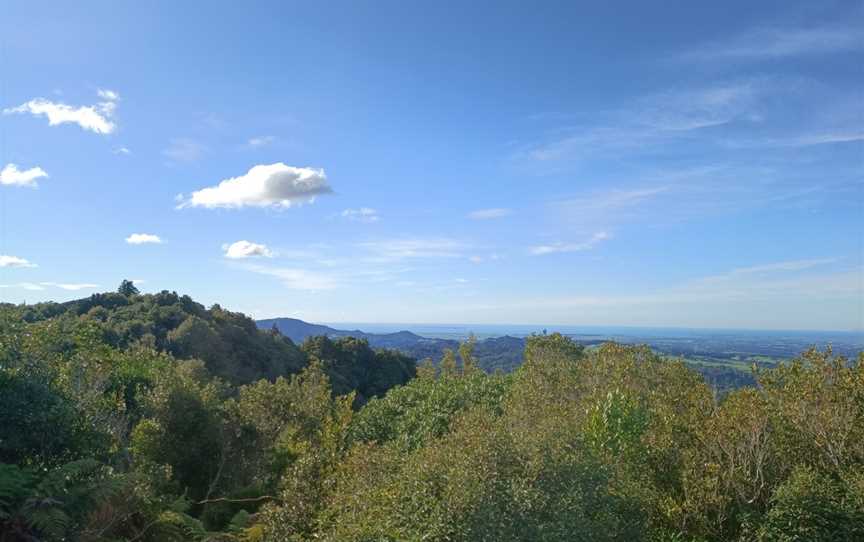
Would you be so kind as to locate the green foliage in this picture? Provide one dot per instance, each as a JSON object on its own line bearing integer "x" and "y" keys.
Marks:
{"x": 424, "y": 409}
{"x": 230, "y": 344}
{"x": 813, "y": 507}
{"x": 53, "y": 505}
{"x": 129, "y": 417}
{"x": 127, "y": 288}
{"x": 182, "y": 429}
{"x": 352, "y": 365}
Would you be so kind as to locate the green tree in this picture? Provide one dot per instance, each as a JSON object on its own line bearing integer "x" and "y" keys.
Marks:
{"x": 127, "y": 288}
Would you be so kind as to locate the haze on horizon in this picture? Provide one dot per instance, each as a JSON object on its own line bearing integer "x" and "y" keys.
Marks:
{"x": 478, "y": 162}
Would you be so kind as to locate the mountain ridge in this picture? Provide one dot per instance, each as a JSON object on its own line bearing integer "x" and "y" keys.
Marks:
{"x": 493, "y": 353}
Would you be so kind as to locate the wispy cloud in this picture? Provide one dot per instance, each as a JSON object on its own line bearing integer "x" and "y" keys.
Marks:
{"x": 74, "y": 287}
{"x": 791, "y": 265}
{"x": 32, "y": 286}
{"x": 364, "y": 214}
{"x": 297, "y": 278}
{"x": 260, "y": 141}
{"x": 611, "y": 200}
{"x": 185, "y": 150}
{"x": 570, "y": 247}
{"x": 778, "y": 42}
{"x": 108, "y": 95}
{"x": 665, "y": 197}
{"x": 143, "y": 239}
{"x": 14, "y": 261}
{"x": 414, "y": 248}
{"x": 122, "y": 150}
{"x": 805, "y": 140}
{"x": 274, "y": 185}
{"x": 96, "y": 118}
{"x": 779, "y": 291}
{"x": 246, "y": 249}
{"x": 486, "y": 214}
{"x": 653, "y": 120}
{"x": 11, "y": 175}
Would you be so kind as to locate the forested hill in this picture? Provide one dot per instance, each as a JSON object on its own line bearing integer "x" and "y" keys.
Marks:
{"x": 229, "y": 344}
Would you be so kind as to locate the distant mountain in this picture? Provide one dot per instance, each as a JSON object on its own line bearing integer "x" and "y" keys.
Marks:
{"x": 497, "y": 353}
{"x": 722, "y": 369}
{"x": 297, "y": 330}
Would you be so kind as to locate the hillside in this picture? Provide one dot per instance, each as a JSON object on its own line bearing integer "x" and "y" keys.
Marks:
{"x": 230, "y": 344}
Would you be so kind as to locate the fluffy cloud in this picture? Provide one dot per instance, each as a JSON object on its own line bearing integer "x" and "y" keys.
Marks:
{"x": 143, "y": 238}
{"x": 95, "y": 118}
{"x": 11, "y": 175}
{"x": 363, "y": 214}
{"x": 246, "y": 249}
{"x": 275, "y": 185}
{"x": 486, "y": 214}
{"x": 571, "y": 247}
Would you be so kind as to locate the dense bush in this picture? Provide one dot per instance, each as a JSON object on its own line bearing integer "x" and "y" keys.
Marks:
{"x": 113, "y": 430}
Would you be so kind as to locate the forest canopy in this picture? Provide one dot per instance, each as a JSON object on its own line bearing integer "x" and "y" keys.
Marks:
{"x": 147, "y": 417}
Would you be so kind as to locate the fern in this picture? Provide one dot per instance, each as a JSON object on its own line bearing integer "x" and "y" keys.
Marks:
{"x": 15, "y": 485}
{"x": 51, "y": 507}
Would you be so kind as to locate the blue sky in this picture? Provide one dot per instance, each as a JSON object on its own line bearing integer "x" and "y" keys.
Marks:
{"x": 662, "y": 164}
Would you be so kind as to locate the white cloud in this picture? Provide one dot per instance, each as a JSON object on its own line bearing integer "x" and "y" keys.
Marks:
{"x": 246, "y": 249}
{"x": 611, "y": 200}
{"x": 184, "y": 150}
{"x": 476, "y": 258}
{"x": 298, "y": 279}
{"x": 485, "y": 214}
{"x": 96, "y": 118}
{"x": 11, "y": 175}
{"x": 363, "y": 214}
{"x": 766, "y": 43}
{"x": 260, "y": 141}
{"x": 275, "y": 185}
{"x": 399, "y": 249}
{"x": 70, "y": 286}
{"x": 108, "y": 95}
{"x": 792, "y": 265}
{"x": 14, "y": 261}
{"x": 808, "y": 140}
{"x": 657, "y": 119}
{"x": 789, "y": 295}
{"x": 122, "y": 150}
{"x": 143, "y": 238}
{"x": 571, "y": 247}
{"x": 24, "y": 286}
